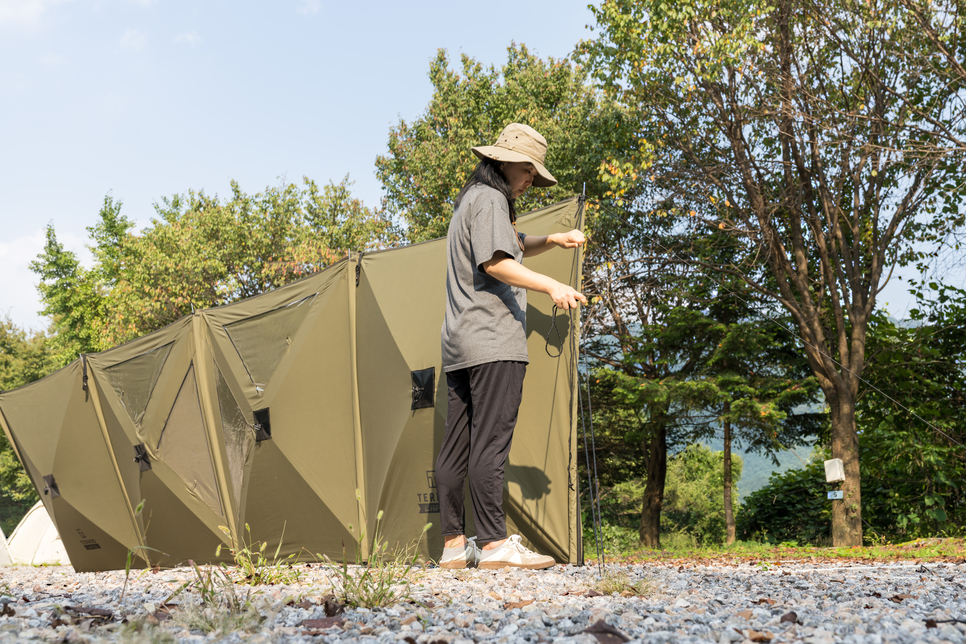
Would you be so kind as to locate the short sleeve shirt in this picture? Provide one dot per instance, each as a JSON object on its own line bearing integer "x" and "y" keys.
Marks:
{"x": 485, "y": 318}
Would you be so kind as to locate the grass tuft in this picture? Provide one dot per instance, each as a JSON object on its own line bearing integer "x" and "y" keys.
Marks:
{"x": 255, "y": 569}
{"x": 214, "y": 604}
{"x": 616, "y": 580}
{"x": 383, "y": 580}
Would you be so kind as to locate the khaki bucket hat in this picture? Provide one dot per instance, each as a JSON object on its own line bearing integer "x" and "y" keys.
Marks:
{"x": 520, "y": 143}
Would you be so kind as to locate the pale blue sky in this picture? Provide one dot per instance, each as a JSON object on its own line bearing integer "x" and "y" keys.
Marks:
{"x": 146, "y": 98}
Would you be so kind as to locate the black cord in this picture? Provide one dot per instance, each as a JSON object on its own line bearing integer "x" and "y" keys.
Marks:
{"x": 553, "y": 327}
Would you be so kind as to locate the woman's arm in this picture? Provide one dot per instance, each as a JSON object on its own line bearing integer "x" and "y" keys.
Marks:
{"x": 534, "y": 245}
{"x": 508, "y": 271}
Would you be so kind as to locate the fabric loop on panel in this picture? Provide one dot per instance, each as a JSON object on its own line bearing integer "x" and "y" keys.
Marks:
{"x": 141, "y": 457}
{"x": 424, "y": 388}
{"x": 50, "y": 486}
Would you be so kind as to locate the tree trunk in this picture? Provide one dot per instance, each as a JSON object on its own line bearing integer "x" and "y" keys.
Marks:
{"x": 656, "y": 456}
{"x": 847, "y": 512}
{"x": 728, "y": 510}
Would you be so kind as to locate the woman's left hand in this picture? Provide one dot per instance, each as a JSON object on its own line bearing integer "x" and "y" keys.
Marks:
{"x": 573, "y": 239}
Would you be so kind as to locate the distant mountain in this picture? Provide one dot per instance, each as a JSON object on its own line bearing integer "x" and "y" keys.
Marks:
{"x": 758, "y": 467}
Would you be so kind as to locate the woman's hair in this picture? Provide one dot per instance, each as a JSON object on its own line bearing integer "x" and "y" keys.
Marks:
{"x": 489, "y": 174}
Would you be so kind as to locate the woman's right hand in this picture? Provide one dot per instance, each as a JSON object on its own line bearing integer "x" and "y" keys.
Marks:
{"x": 566, "y": 297}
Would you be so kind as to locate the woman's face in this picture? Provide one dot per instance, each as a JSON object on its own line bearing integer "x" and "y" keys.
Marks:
{"x": 519, "y": 175}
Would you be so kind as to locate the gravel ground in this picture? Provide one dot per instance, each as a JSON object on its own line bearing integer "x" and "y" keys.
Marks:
{"x": 715, "y": 603}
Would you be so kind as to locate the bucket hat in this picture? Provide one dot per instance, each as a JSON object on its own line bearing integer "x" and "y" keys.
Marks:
{"x": 520, "y": 143}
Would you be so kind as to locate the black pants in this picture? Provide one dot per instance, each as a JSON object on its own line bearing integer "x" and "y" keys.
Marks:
{"x": 482, "y": 412}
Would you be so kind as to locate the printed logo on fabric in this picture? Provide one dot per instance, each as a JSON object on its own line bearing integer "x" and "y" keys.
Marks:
{"x": 89, "y": 544}
{"x": 428, "y": 501}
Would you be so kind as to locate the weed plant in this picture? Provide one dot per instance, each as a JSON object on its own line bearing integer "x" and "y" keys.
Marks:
{"x": 133, "y": 551}
{"x": 384, "y": 579}
{"x": 221, "y": 606}
{"x": 615, "y": 580}
{"x": 255, "y": 569}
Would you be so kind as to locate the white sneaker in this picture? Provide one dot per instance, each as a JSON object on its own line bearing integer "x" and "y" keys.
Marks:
{"x": 467, "y": 556}
{"x": 513, "y": 553}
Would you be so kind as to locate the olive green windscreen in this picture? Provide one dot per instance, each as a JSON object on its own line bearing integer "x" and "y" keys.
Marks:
{"x": 239, "y": 436}
{"x": 184, "y": 447}
{"x": 263, "y": 340}
{"x": 133, "y": 381}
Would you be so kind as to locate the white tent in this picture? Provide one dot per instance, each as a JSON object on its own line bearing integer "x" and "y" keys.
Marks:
{"x": 35, "y": 540}
{"x": 4, "y": 553}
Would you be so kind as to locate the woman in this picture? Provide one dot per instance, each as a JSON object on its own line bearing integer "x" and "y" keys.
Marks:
{"x": 484, "y": 344}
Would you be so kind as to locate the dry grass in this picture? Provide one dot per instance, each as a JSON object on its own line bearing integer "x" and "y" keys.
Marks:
{"x": 616, "y": 580}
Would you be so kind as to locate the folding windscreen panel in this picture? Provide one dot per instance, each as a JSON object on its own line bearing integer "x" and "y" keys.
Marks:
{"x": 300, "y": 413}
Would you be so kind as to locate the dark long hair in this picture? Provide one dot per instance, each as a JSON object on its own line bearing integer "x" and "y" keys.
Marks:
{"x": 489, "y": 174}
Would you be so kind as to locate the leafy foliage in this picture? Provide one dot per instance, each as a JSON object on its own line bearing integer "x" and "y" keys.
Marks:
{"x": 219, "y": 606}
{"x": 684, "y": 352}
{"x": 912, "y": 473}
{"x": 254, "y": 568}
{"x": 24, "y": 358}
{"x": 693, "y": 502}
{"x": 430, "y": 159}
{"x": 199, "y": 252}
{"x": 792, "y": 507}
{"x": 816, "y": 134}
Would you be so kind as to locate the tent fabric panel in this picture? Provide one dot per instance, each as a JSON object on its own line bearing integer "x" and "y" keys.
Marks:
{"x": 542, "y": 461}
{"x": 311, "y": 411}
{"x": 284, "y": 509}
{"x": 239, "y": 437}
{"x": 88, "y": 480}
{"x": 408, "y": 298}
{"x": 409, "y": 496}
{"x": 134, "y": 380}
{"x": 174, "y": 532}
{"x": 317, "y": 288}
{"x": 35, "y": 415}
{"x": 89, "y": 548}
{"x": 142, "y": 354}
{"x": 385, "y": 399}
{"x": 123, "y": 444}
{"x": 163, "y": 397}
{"x": 184, "y": 445}
{"x": 187, "y": 502}
{"x": 263, "y": 340}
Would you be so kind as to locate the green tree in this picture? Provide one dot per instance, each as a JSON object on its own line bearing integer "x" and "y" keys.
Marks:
{"x": 913, "y": 473}
{"x": 695, "y": 502}
{"x": 429, "y": 159}
{"x": 685, "y": 355}
{"x": 800, "y": 129}
{"x": 916, "y": 410}
{"x": 72, "y": 298}
{"x": 24, "y": 358}
{"x": 199, "y": 252}
{"x": 649, "y": 342}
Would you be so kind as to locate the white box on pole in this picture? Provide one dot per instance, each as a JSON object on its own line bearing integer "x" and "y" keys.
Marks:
{"x": 834, "y": 471}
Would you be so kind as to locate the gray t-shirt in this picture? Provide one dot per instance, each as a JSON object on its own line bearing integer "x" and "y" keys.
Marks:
{"x": 485, "y": 319}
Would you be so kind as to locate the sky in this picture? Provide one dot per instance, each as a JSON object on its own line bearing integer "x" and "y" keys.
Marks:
{"x": 142, "y": 99}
